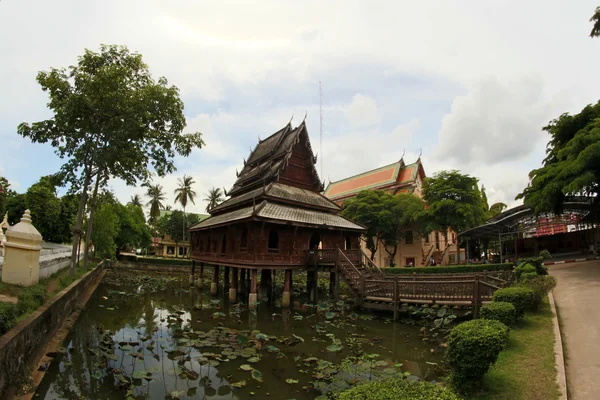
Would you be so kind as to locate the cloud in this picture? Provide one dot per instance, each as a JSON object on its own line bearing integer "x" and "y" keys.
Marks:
{"x": 362, "y": 112}
{"x": 495, "y": 121}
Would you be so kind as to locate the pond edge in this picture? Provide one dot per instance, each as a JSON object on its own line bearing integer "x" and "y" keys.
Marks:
{"x": 561, "y": 376}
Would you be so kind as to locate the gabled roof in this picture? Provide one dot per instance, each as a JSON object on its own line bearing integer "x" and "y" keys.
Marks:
{"x": 396, "y": 175}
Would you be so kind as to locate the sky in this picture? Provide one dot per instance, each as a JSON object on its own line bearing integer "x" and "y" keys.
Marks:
{"x": 467, "y": 84}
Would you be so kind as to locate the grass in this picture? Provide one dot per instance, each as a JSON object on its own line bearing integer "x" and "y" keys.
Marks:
{"x": 525, "y": 369}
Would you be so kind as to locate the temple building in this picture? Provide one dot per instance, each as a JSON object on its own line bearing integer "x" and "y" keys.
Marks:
{"x": 400, "y": 178}
{"x": 274, "y": 215}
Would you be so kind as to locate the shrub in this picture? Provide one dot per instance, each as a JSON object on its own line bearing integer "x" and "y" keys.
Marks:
{"x": 8, "y": 317}
{"x": 540, "y": 285}
{"x": 520, "y": 297}
{"x": 524, "y": 268}
{"x": 30, "y": 298}
{"x": 473, "y": 347}
{"x": 538, "y": 263}
{"x": 499, "y": 311}
{"x": 545, "y": 254}
{"x": 450, "y": 269}
{"x": 527, "y": 276}
{"x": 397, "y": 389}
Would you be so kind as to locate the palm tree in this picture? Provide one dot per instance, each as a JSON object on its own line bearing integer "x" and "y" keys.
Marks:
{"x": 213, "y": 198}
{"x": 183, "y": 193}
{"x": 157, "y": 196}
{"x": 136, "y": 200}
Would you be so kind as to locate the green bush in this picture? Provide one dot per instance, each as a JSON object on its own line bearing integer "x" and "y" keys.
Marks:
{"x": 499, "y": 311}
{"x": 8, "y": 317}
{"x": 397, "y": 389}
{"x": 473, "y": 347}
{"x": 30, "y": 298}
{"x": 527, "y": 276}
{"x": 522, "y": 298}
{"x": 540, "y": 285}
{"x": 538, "y": 263}
{"x": 524, "y": 268}
{"x": 450, "y": 269}
{"x": 545, "y": 254}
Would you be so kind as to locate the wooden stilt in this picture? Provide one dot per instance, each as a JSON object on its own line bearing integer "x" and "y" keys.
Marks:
{"x": 253, "y": 296}
{"x": 226, "y": 278}
{"x": 242, "y": 282}
{"x": 234, "y": 285}
{"x": 214, "y": 286}
{"x": 287, "y": 288}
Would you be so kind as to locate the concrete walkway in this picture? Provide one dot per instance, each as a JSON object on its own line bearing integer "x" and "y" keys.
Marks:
{"x": 577, "y": 297}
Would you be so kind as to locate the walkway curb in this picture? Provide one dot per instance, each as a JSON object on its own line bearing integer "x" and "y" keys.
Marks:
{"x": 559, "y": 358}
{"x": 571, "y": 261}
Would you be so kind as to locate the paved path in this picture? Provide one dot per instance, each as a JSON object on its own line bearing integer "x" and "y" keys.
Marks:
{"x": 577, "y": 297}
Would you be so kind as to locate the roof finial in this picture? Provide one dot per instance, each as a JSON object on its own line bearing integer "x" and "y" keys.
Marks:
{"x": 244, "y": 161}
{"x": 305, "y": 115}
{"x": 225, "y": 191}
{"x": 420, "y": 154}
{"x": 237, "y": 174}
{"x": 289, "y": 123}
{"x": 402, "y": 157}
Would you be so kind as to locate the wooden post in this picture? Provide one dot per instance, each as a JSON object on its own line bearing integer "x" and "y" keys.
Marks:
{"x": 476, "y": 298}
{"x": 414, "y": 285}
{"x": 336, "y": 292}
{"x": 233, "y": 286}
{"x": 265, "y": 284}
{"x": 199, "y": 282}
{"x": 332, "y": 283}
{"x": 362, "y": 287}
{"x": 226, "y": 278}
{"x": 395, "y": 299}
{"x": 191, "y": 279}
{"x": 242, "y": 283}
{"x": 253, "y": 296}
{"x": 287, "y": 288}
{"x": 214, "y": 286}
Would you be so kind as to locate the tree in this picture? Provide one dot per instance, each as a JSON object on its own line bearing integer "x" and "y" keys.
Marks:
{"x": 111, "y": 119}
{"x": 105, "y": 232}
{"x": 572, "y": 163}
{"x": 4, "y": 191}
{"x": 136, "y": 200}
{"x": 133, "y": 232}
{"x": 171, "y": 225}
{"x": 366, "y": 208}
{"x": 213, "y": 198}
{"x": 157, "y": 196}
{"x": 596, "y": 20}
{"x": 45, "y": 209}
{"x": 16, "y": 204}
{"x": 453, "y": 201}
{"x": 183, "y": 194}
{"x": 496, "y": 209}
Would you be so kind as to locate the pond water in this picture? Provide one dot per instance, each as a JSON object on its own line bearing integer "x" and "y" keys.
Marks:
{"x": 151, "y": 336}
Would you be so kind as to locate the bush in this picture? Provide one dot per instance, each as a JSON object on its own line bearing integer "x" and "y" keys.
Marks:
{"x": 8, "y": 317}
{"x": 538, "y": 263}
{"x": 527, "y": 276}
{"x": 473, "y": 347}
{"x": 524, "y": 268}
{"x": 499, "y": 311}
{"x": 540, "y": 285}
{"x": 522, "y": 298}
{"x": 397, "y": 389}
{"x": 450, "y": 269}
{"x": 30, "y": 298}
{"x": 545, "y": 254}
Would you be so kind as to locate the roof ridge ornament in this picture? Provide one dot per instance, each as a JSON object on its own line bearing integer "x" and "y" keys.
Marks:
{"x": 420, "y": 154}
{"x": 225, "y": 192}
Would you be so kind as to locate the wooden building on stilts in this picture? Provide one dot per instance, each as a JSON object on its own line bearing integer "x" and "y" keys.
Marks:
{"x": 275, "y": 220}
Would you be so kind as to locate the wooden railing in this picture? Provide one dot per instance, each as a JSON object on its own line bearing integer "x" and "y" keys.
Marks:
{"x": 370, "y": 265}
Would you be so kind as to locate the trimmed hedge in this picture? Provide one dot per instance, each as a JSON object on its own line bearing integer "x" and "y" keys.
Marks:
{"x": 527, "y": 276}
{"x": 538, "y": 263}
{"x": 499, "y": 311}
{"x": 540, "y": 285}
{"x": 449, "y": 269}
{"x": 397, "y": 389}
{"x": 8, "y": 317}
{"x": 524, "y": 268}
{"x": 522, "y": 298}
{"x": 473, "y": 347}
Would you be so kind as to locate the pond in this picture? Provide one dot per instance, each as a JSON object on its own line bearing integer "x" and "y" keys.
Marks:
{"x": 151, "y": 336}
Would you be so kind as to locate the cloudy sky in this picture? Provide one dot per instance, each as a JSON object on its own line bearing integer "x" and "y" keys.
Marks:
{"x": 470, "y": 83}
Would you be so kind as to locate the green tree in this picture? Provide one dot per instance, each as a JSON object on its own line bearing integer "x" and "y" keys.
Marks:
{"x": 16, "y": 204}
{"x": 133, "y": 232}
{"x": 171, "y": 225}
{"x": 45, "y": 208}
{"x": 111, "y": 119}
{"x": 453, "y": 201}
{"x": 572, "y": 163}
{"x": 596, "y": 20}
{"x": 213, "y": 198}
{"x": 496, "y": 209}
{"x": 157, "y": 196}
{"x": 136, "y": 200}
{"x": 183, "y": 194}
{"x": 4, "y": 190}
{"x": 106, "y": 230}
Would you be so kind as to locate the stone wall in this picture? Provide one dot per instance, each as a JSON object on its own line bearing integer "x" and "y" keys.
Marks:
{"x": 53, "y": 262}
{"x": 20, "y": 344}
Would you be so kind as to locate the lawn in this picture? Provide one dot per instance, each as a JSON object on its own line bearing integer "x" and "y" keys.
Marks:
{"x": 525, "y": 369}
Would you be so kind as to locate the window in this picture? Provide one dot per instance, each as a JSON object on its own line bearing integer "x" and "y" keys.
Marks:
{"x": 170, "y": 250}
{"x": 409, "y": 238}
{"x": 182, "y": 251}
{"x": 273, "y": 245}
{"x": 244, "y": 240}
{"x": 224, "y": 245}
{"x": 410, "y": 262}
{"x": 454, "y": 238}
{"x": 348, "y": 243}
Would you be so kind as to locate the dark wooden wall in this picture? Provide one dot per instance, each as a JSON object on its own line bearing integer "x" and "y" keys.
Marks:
{"x": 299, "y": 171}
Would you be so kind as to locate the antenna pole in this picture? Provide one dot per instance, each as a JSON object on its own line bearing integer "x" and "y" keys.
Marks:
{"x": 321, "y": 125}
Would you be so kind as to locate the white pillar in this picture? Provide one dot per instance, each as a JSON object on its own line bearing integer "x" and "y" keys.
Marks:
{"x": 22, "y": 253}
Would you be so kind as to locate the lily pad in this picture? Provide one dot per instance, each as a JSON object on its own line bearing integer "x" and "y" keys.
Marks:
{"x": 246, "y": 367}
{"x": 239, "y": 384}
{"x": 291, "y": 381}
{"x": 257, "y": 375}
{"x": 334, "y": 347}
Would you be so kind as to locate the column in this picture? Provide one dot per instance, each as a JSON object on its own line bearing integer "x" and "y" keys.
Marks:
{"x": 199, "y": 282}
{"x": 234, "y": 285}
{"x": 226, "y": 278}
{"x": 253, "y": 297}
{"x": 287, "y": 288}
{"x": 214, "y": 286}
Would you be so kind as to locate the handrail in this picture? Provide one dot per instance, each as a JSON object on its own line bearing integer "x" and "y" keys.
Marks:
{"x": 369, "y": 264}
{"x": 484, "y": 283}
{"x": 349, "y": 262}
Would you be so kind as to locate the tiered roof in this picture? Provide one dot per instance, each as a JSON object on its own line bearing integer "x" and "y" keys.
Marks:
{"x": 397, "y": 177}
{"x": 259, "y": 195}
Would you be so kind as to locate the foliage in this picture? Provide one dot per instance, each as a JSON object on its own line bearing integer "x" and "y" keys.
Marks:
{"x": 540, "y": 285}
{"x": 526, "y": 276}
{"x": 494, "y": 209}
{"x": 473, "y": 347}
{"x": 523, "y": 268}
{"x": 213, "y": 198}
{"x": 4, "y": 190}
{"x": 397, "y": 389}
{"x": 450, "y": 269}
{"x": 8, "y": 317}
{"x": 16, "y": 204}
{"x": 184, "y": 191}
{"x": 157, "y": 196}
{"x": 172, "y": 223}
{"x": 30, "y": 298}
{"x": 545, "y": 254}
{"x": 596, "y": 20}
{"x": 572, "y": 163}
{"x": 136, "y": 200}
{"x": 520, "y": 297}
{"x": 537, "y": 262}
{"x": 453, "y": 201}
{"x": 106, "y": 229}
{"x": 499, "y": 311}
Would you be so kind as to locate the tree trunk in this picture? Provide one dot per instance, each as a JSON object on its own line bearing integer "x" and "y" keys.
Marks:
{"x": 392, "y": 254}
{"x": 79, "y": 220}
{"x": 183, "y": 237}
{"x": 90, "y": 224}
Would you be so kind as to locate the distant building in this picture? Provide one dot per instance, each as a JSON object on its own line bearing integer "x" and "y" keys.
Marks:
{"x": 399, "y": 178}
{"x": 165, "y": 246}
